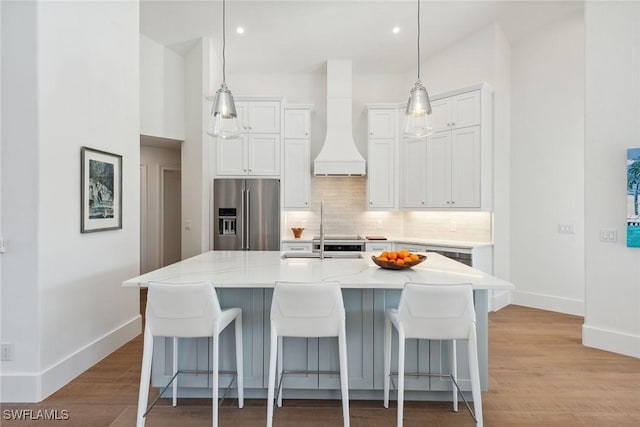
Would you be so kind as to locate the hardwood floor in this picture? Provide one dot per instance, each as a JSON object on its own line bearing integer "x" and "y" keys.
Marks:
{"x": 540, "y": 375}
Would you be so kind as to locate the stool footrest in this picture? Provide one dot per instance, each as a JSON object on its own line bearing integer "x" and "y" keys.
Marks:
{"x": 192, "y": 372}
{"x": 422, "y": 374}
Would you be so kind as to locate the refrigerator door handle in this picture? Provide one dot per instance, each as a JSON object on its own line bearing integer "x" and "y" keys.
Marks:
{"x": 247, "y": 218}
{"x": 243, "y": 222}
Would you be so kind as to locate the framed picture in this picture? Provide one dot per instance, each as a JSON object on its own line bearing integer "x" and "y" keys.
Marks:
{"x": 633, "y": 197}
{"x": 101, "y": 191}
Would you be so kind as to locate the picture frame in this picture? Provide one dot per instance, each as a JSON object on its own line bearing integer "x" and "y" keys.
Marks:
{"x": 101, "y": 190}
{"x": 633, "y": 197}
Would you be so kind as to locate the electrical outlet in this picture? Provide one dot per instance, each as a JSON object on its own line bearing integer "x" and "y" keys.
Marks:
{"x": 187, "y": 224}
{"x": 453, "y": 226}
{"x": 6, "y": 352}
{"x": 608, "y": 235}
{"x": 379, "y": 224}
{"x": 3, "y": 247}
{"x": 565, "y": 229}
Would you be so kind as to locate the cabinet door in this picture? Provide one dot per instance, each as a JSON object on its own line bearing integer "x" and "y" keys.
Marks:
{"x": 251, "y": 301}
{"x": 358, "y": 305}
{"x": 264, "y": 117}
{"x": 264, "y": 154}
{"x": 439, "y": 170}
{"x": 440, "y": 117}
{"x": 381, "y": 174}
{"x": 465, "y": 110}
{"x": 297, "y": 173}
{"x": 465, "y": 167}
{"x": 414, "y": 173}
{"x": 382, "y": 123}
{"x": 231, "y": 158}
{"x": 296, "y": 124}
{"x": 242, "y": 110}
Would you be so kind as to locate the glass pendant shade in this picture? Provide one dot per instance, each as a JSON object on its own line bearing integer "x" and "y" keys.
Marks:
{"x": 416, "y": 123}
{"x": 223, "y": 122}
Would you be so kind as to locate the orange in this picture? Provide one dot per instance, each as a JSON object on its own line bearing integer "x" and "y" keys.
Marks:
{"x": 414, "y": 257}
{"x": 385, "y": 254}
{"x": 399, "y": 261}
{"x": 403, "y": 253}
{"x": 392, "y": 256}
{"x": 382, "y": 258}
{"x": 407, "y": 259}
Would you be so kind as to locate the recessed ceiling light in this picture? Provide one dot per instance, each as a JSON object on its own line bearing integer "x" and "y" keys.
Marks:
{"x": 395, "y": 30}
{"x": 240, "y": 30}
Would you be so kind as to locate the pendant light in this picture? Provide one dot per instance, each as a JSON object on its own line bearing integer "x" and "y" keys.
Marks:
{"x": 416, "y": 123}
{"x": 223, "y": 122}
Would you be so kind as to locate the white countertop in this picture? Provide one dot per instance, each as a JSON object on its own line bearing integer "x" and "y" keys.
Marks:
{"x": 258, "y": 269}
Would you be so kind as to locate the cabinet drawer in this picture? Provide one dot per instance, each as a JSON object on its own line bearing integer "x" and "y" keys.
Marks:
{"x": 297, "y": 247}
{"x": 410, "y": 247}
{"x": 378, "y": 246}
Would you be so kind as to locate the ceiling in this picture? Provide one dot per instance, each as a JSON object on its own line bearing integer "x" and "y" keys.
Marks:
{"x": 298, "y": 36}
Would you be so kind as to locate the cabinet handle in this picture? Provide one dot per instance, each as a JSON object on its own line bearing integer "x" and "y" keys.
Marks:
{"x": 371, "y": 133}
{"x": 453, "y": 123}
{"x": 453, "y": 202}
{"x": 250, "y": 127}
{"x": 448, "y": 202}
{"x": 422, "y": 203}
{"x": 306, "y": 203}
{"x": 306, "y": 134}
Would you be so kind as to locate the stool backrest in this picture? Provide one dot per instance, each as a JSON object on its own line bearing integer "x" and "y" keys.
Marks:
{"x": 431, "y": 311}
{"x": 300, "y": 309}
{"x": 182, "y": 309}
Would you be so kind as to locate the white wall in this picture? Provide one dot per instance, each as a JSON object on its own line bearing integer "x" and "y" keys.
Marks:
{"x": 161, "y": 91}
{"x": 66, "y": 308}
{"x": 547, "y": 169}
{"x": 612, "y": 118}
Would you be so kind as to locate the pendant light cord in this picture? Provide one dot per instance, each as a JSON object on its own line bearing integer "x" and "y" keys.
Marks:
{"x": 224, "y": 31}
{"x": 418, "y": 40}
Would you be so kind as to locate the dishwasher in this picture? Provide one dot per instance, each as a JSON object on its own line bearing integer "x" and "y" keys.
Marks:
{"x": 462, "y": 257}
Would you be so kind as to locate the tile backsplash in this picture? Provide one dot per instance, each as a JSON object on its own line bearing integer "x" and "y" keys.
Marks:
{"x": 345, "y": 213}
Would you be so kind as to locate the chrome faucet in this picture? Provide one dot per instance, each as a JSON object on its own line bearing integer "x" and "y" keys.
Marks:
{"x": 321, "y": 229}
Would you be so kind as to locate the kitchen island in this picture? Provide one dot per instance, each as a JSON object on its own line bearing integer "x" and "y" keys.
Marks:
{"x": 245, "y": 279}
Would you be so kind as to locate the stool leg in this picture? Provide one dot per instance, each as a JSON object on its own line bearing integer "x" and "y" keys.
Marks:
{"x": 475, "y": 377}
{"x": 279, "y": 370}
{"x": 175, "y": 369}
{"x": 401, "y": 343}
{"x": 239, "y": 362}
{"x": 272, "y": 375}
{"x": 214, "y": 362}
{"x": 454, "y": 374}
{"x": 145, "y": 377}
{"x": 344, "y": 384}
{"x": 387, "y": 360}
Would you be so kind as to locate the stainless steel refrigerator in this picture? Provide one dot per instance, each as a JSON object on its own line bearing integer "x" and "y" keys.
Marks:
{"x": 246, "y": 214}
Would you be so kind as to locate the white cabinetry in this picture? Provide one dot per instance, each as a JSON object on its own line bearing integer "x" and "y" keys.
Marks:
{"x": 382, "y": 177}
{"x": 452, "y": 168}
{"x": 297, "y": 246}
{"x": 297, "y": 157}
{"x": 257, "y": 151}
{"x": 378, "y": 246}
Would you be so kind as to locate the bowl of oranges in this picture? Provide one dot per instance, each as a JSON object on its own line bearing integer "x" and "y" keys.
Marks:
{"x": 398, "y": 260}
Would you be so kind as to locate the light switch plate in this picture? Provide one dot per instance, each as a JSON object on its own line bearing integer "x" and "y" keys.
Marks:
{"x": 608, "y": 235}
{"x": 566, "y": 229}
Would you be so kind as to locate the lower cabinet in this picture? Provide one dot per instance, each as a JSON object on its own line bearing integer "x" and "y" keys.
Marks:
{"x": 365, "y": 320}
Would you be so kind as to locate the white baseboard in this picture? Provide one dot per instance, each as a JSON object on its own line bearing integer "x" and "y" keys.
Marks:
{"x": 614, "y": 341}
{"x": 35, "y": 387}
{"x": 548, "y": 302}
{"x": 499, "y": 299}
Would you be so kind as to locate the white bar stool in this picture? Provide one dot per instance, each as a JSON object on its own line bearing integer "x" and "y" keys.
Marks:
{"x": 306, "y": 310}
{"x": 436, "y": 312}
{"x": 186, "y": 310}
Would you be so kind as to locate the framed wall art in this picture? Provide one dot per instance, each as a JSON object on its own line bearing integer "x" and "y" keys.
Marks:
{"x": 633, "y": 197}
{"x": 101, "y": 190}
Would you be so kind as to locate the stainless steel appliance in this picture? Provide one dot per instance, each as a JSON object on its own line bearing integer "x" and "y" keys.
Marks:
{"x": 246, "y": 214}
{"x": 340, "y": 243}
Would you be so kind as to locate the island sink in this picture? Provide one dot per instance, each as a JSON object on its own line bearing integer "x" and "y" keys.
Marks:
{"x": 332, "y": 255}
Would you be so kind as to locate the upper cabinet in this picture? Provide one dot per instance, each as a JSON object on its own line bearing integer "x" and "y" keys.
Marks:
{"x": 382, "y": 151}
{"x": 452, "y": 167}
{"x": 297, "y": 157}
{"x": 456, "y": 111}
{"x": 257, "y": 151}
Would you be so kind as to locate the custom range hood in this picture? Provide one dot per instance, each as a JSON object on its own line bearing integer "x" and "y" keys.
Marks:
{"x": 339, "y": 155}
